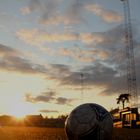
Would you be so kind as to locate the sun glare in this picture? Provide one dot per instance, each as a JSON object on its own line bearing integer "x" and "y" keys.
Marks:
{"x": 19, "y": 116}
{"x": 20, "y": 110}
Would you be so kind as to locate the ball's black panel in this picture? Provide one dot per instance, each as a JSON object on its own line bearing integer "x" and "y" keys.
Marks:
{"x": 89, "y": 122}
{"x": 101, "y": 112}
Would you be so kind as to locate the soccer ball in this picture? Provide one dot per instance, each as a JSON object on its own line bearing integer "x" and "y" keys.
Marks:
{"x": 89, "y": 122}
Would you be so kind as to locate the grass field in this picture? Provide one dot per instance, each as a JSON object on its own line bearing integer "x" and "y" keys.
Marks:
{"x": 35, "y": 133}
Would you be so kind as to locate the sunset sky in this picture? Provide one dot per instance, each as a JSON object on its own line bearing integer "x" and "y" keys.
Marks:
{"x": 57, "y": 54}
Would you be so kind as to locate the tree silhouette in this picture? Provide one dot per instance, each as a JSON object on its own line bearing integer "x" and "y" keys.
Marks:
{"x": 123, "y": 98}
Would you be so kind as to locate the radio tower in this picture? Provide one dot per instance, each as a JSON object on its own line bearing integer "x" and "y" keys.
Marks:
{"x": 131, "y": 73}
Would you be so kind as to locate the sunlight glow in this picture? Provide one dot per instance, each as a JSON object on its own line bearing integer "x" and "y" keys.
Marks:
{"x": 20, "y": 110}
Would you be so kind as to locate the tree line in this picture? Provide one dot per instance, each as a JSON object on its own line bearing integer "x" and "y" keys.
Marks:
{"x": 33, "y": 120}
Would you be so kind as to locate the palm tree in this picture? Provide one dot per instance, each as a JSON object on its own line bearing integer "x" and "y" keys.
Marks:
{"x": 123, "y": 98}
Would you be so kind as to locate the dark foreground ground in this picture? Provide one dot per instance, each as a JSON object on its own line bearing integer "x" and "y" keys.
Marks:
{"x": 35, "y": 133}
{"x": 126, "y": 134}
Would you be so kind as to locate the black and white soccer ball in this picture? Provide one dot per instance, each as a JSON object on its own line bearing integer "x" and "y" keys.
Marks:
{"x": 89, "y": 122}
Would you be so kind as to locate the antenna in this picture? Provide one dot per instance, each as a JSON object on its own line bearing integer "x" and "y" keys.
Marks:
{"x": 82, "y": 88}
{"x": 131, "y": 74}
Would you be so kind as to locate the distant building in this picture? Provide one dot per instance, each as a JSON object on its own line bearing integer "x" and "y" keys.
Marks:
{"x": 115, "y": 114}
{"x": 34, "y": 120}
{"x": 127, "y": 117}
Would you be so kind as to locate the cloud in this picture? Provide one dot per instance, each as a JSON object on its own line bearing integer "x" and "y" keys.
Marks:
{"x": 44, "y": 97}
{"x": 59, "y": 19}
{"x": 13, "y": 60}
{"x": 46, "y": 8}
{"x": 75, "y": 11}
{"x": 63, "y": 101}
{"x": 35, "y": 4}
{"x": 48, "y": 111}
{"x": 104, "y": 69}
{"x": 103, "y": 75}
{"x": 48, "y": 97}
{"x": 52, "y": 13}
{"x": 98, "y": 45}
{"x": 70, "y": 15}
{"x": 25, "y": 10}
{"x": 7, "y": 51}
{"x": 107, "y": 71}
{"x": 91, "y": 38}
{"x": 97, "y": 75}
{"x": 81, "y": 55}
{"x": 108, "y": 16}
{"x": 49, "y": 12}
{"x": 102, "y": 51}
{"x": 36, "y": 37}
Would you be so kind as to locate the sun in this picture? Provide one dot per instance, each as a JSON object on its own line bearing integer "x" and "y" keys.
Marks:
{"x": 20, "y": 110}
{"x": 19, "y": 115}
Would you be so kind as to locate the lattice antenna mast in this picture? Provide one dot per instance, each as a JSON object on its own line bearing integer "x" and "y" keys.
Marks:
{"x": 82, "y": 88}
{"x": 131, "y": 73}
